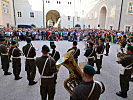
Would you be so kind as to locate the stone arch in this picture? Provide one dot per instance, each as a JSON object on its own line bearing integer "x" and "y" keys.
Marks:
{"x": 53, "y": 18}
{"x": 102, "y": 19}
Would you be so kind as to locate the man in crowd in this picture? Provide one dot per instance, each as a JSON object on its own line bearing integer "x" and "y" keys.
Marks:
{"x": 90, "y": 53}
{"x": 88, "y": 89}
{"x": 99, "y": 55}
{"x": 126, "y": 71}
{"x": 4, "y": 57}
{"x": 76, "y": 51}
{"x": 47, "y": 69}
{"x": 30, "y": 67}
{"x": 16, "y": 60}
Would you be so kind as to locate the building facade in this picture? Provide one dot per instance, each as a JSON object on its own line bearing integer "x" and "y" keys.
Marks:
{"x": 6, "y": 14}
{"x": 110, "y": 14}
{"x": 98, "y": 14}
{"x": 29, "y": 12}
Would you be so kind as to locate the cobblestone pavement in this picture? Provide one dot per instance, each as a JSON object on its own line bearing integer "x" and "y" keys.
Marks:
{"x": 19, "y": 90}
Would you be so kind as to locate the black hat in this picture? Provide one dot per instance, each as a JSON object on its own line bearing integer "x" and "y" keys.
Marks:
{"x": 13, "y": 42}
{"x": 102, "y": 39}
{"x": 1, "y": 36}
{"x": 53, "y": 46}
{"x": 75, "y": 43}
{"x": 130, "y": 48}
{"x": 2, "y": 39}
{"x": 88, "y": 69}
{"x": 124, "y": 36}
{"x": 45, "y": 48}
{"x": 28, "y": 39}
{"x": 7, "y": 36}
{"x": 91, "y": 44}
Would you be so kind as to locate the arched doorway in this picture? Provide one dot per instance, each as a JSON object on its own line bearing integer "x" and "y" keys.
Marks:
{"x": 53, "y": 19}
{"x": 77, "y": 26}
{"x": 102, "y": 21}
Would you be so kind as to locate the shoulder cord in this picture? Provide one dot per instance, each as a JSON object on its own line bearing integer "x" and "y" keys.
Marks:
{"x": 29, "y": 51}
{"x": 92, "y": 89}
{"x": 54, "y": 54}
{"x": 91, "y": 52}
{"x": 13, "y": 50}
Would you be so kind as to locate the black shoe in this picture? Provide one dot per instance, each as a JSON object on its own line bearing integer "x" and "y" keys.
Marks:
{"x": 131, "y": 80}
{"x": 18, "y": 78}
{"x": 32, "y": 83}
{"x": 123, "y": 95}
{"x": 7, "y": 73}
{"x": 98, "y": 72}
{"x": 106, "y": 54}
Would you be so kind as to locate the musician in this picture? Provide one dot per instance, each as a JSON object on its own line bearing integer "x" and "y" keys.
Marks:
{"x": 123, "y": 43}
{"x": 7, "y": 42}
{"x": 76, "y": 51}
{"x": 4, "y": 57}
{"x": 90, "y": 53}
{"x": 55, "y": 55}
{"x": 88, "y": 89}
{"x": 126, "y": 71}
{"x": 47, "y": 69}
{"x": 107, "y": 44}
{"x": 99, "y": 55}
{"x": 30, "y": 67}
{"x": 16, "y": 60}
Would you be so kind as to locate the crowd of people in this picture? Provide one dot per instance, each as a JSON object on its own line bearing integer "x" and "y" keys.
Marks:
{"x": 62, "y": 34}
{"x": 95, "y": 39}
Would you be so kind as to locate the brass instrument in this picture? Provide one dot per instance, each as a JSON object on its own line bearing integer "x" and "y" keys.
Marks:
{"x": 75, "y": 76}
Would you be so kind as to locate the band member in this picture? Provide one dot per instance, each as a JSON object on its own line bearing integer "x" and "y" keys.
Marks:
{"x": 99, "y": 55}
{"x": 126, "y": 71}
{"x": 90, "y": 53}
{"x": 7, "y": 42}
{"x": 4, "y": 57}
{"x": 30, "y": 67}
{"x": 77, "y": 51}
{"x": 107, "y": 45}
{"x": 47, "y": 69}
{"x": 88, "y": 89}
{"x": 123, "y": 43}
{"x": 16, "y": 60}
{"x": 55, "y": 55}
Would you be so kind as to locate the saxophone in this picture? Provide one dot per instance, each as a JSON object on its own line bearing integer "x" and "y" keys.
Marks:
{"x": 75, "y": 76}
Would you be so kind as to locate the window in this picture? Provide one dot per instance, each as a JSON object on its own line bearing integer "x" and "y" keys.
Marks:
{"x": 69, "y": 3}
{"x": 130, "y": 7}
{"x": 88, "y": 26}
{"x": 19, "y": 14}
{"x": 78, "y": 18}
{"x": 111, "y": 27}
{"x": 32, "y": 14}
{"x": 8, "y": 25}
{"x": 47, "y": 1}
{"x": 128, "y": 28}
{"x": 69, "y": 17}
{"x": 58, "y": 2}
{"x": 5, "y": 8}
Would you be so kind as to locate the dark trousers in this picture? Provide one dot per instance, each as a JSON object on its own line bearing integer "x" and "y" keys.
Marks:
{"x": 5, "y": 63}
{"x": 124, "y": 81}
{"x": 107, "y": 48}
{"x": 16, "y": 64}
{"x": 91, "y": 61}
{"x": 47, "y": 88}
{"x": 99, "y": 63}
{"x": 30, "y": 68}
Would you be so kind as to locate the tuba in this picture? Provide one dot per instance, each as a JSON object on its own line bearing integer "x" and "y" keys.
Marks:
{"x": 75, "y": 76}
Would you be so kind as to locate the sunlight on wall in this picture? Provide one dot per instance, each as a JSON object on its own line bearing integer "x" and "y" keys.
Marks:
{"x": 37, "y": 5}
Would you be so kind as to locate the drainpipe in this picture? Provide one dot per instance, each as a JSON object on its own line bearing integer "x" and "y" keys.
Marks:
{"x": 43, "y": 14}
{"x": 120, "y": 16}
{"x": 14, "y": 12}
